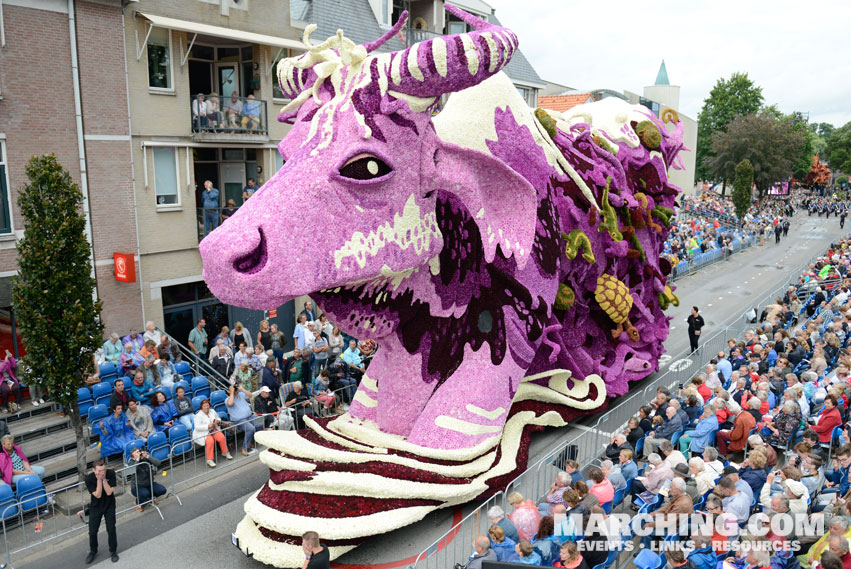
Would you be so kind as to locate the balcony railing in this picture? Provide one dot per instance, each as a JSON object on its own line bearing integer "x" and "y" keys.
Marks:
{"x": 415, "y": 35}
{"x": 243, "y": 115}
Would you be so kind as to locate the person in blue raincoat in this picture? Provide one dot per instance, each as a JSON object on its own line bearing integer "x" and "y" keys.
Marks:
{"x": 116, "y": 432}
{"x": 163, "y": 412}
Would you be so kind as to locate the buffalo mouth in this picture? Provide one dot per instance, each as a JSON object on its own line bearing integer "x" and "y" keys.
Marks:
{"x": 253, "y": 261}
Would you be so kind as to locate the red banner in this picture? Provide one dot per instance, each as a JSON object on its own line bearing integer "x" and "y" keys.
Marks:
{"x": 125, "y": 267}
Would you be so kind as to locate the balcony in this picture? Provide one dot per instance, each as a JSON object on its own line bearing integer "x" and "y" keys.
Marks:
{"x": 234, "y": 119}
{"x": 414, "y": 35}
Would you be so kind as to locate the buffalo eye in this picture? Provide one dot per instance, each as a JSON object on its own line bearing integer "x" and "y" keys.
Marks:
{"x": 365, "y": 167}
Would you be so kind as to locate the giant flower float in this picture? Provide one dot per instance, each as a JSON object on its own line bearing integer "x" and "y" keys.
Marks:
{"x": 506, "y": 260}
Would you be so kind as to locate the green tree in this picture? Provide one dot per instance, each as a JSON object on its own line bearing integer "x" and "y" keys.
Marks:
{"x": 838, "y": 151}
{"x": 53, "y": 293}
{"x": 841, "y": 180}
{"x": 802, "y": 162}
{"x": 728, "y": 99}
{"x": 743, "y": 187}
{"x": 771, "y": 146}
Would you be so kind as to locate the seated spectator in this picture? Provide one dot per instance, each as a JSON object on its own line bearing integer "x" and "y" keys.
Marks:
{"x": 545, "y": 543}
{"x": 838, "y": 526}
{"x": 588, "y": 499}
{"x": 119, "y": 395}
{"x": 756, "y": 443}
{"x": 481, "y": 552}
{"x": 572, "y": 468}
{"x": 141, "y": 390}
{"x": 500, "y": 544}
{"x": 838, "y": 546}
{"x": 735, "y": 439}
{"x": 166, "y": 371}
{"x": 208, "y": 431}
{"x": 812, "y": 472}
{"x": 149, "y": 349}
{"x": 665, "y": 432}
{"x": 14, "y": 464}
{"x": 660, "y": 472}
{"x": 733, "y": 500}
{"x": 710, "y": 457}
{"x": 140, "y": 419}
{"x": 753, "y": 471}
{"x": 116, "y": 432}
{"x": 322, "y": 390}
{"x": 241, "y": 415}
{"x": 233, "y": 110}
{"x": 144, "y": 487}
{"x": 267, "y": 405}
{"x": 149, "y": 369}
{"x": 525, "y": 516}
{"x": 199, "y": 113}
{"x": 496, "y": 516}
{"x": 830, "y": 560}
{"x": 671, "y": 456}
{"x": 602, "y": 487}
{"x": 228, "y": 211}
{"x": 570, "y": 558}
{"x": 704, "y": 478}
{"x": 185, "y": 411}
{"x": 614, "y": 475}
{"x": 618, "y": 443}
{"x": 783, "y": 424}
{"x": 168, "y": 348}
{"x": 682, "y": 471}
{"x": 152, "y": 333}
{"x": 633, "y": 432}
{"x": 221, "y": 360}
{"x": 251, "y": 114}
{"x": 827, "y": 419}
{"x": 163, "y": 412}
{"x": 726, "y": 528}
{"x": 679, "y": 503}
{"x": 214, "y": 116}
{"x": 554, "y": 495}
{"x": 677, "y": 558}
{"x": 134, "y": 338}
{"x": 525, "y": 554}
{"x": 644, "y": 416}
{"x": 353, "y": 358}
{"x": 627, "y": 466}
{"x": 298, "y": 400}
{"x": 596, "y": 540}
{"x": 130, "y": 359}
{"x": 112, "y": 349}
{"x": 707, "y": 426}
{"x": 9, "y": 384}
{"x": 703, "y": 556}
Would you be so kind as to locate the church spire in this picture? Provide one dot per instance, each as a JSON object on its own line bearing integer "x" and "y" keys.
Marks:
{"x": 662, "y": 76}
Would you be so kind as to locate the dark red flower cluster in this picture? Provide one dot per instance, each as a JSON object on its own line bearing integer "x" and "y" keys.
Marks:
{"x": 333, "y": 506}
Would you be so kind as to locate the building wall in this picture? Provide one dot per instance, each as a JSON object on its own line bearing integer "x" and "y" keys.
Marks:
{"x": 665, "y": 95}
{"x": 37, "y": 117}
{"x": 684, "y": 179}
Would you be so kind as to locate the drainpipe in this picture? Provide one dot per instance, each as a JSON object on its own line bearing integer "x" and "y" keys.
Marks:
{"x": 133, "y": 166}
{"x": 81, "y": 146}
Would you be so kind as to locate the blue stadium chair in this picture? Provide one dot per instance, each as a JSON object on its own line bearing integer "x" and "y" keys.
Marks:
{"x": 217, "y": 400}
{"x": 200, "y": 386}
{"x": 196, "y": 402}
{"x": 101, "y": 393}
{"x": 97, "y": 413}
{"x": 158, "y": 445}
{"x": 647, "y": 559}
{"x": 84, "y": 401}
{"x": 619, "y": 495}
{"x": 182, "y": 368}
{"x": 107, "y": 371}
{"x": 639, "y": 446}
{"x": 185, "y": 385}
{"x": 8, "y": 503}
{"x": 610, "y": 559}
{"x": 676, "y": 437}
{"x": 166, "y": 390}
{"x": 178, "y": 438}
{"x": 607, "y": 507}
{"x": 128, "y": 448}
{"x": 31, "y": 493}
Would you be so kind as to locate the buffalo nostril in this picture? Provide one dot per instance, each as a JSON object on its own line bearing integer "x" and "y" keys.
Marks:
{"x": 253, "y": 261}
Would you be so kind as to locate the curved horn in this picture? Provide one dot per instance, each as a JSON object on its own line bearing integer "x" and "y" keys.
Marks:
{"x": 451, "y": 63}
{"x": 373, "y": 45}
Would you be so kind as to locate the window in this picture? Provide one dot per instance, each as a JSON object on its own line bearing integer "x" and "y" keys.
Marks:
{"x": 159, "y": 59}
{"x": 277, "y": 93}
{"x": 165, "y": 175}
{"x": 385, "y": 12}
{"x": 529, "y": 95}
{"x": 5, "y": 213}
{"x": 279, "y": 161}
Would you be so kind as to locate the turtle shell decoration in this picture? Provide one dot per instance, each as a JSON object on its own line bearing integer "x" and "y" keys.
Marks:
{"x": 614, "y": 298}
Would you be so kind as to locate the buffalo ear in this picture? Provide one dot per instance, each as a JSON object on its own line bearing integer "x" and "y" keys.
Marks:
{"x": 502, "y": 202}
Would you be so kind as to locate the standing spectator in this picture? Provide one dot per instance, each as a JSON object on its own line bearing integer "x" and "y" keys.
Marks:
{"x": 335, "y": 342}
{"x": 198, "y": 339}
{"x": 242, "y": 376}
{"x": 140, "y": 420}
{"x": 240, "y": 334}
{"x": 241, "y": 415}
{"x": 14, "y": 464}
{"x": 300, "y": 332}
{"x": 101, "y": 485}
{"x": 295, "y": 367}
{"x": 248, "y": 190}
{"x": 264, "y": 335}
{"x": 199, "y": 112}
{"x": 144, "y": 487}
{"x": 695, "y": 323}
{"x": 308, "y": 311}
{"x": 9, "y": 384}
{"x": 222, "y": 362}
{"x": 316, "y": 555}
{"x": 233, "y": 110}
{"x": 266, "y": 405}
{"x": 320, "y": 353}
{"x": 184, "y": 408}
{"x": 225, "y": 337}
{"x": 210, "y": 203}
{"x": 112, "y": 348}
{"x": 278, "y": 340}
{"x": 208, "y": 432}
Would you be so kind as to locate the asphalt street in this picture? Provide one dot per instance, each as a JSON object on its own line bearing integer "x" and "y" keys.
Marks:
{"x": 198, "y": 534}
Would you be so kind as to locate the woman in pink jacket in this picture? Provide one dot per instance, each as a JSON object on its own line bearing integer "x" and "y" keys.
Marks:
{"x": 14, "y": 464}
{"x": 9, "y": 384}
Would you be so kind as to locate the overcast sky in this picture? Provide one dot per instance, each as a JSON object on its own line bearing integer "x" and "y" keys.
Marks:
{"x": 798, "y": 52}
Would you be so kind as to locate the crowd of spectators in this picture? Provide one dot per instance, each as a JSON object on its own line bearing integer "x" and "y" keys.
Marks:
{"x": 235, "y": 113}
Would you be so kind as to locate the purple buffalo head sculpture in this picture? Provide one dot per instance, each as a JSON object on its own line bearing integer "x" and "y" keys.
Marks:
{"x": 453, "y": 241}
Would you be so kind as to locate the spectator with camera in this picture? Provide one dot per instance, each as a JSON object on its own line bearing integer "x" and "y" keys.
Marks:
{"x": 241, "y": 415}
{"x": 144, "y": 487}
